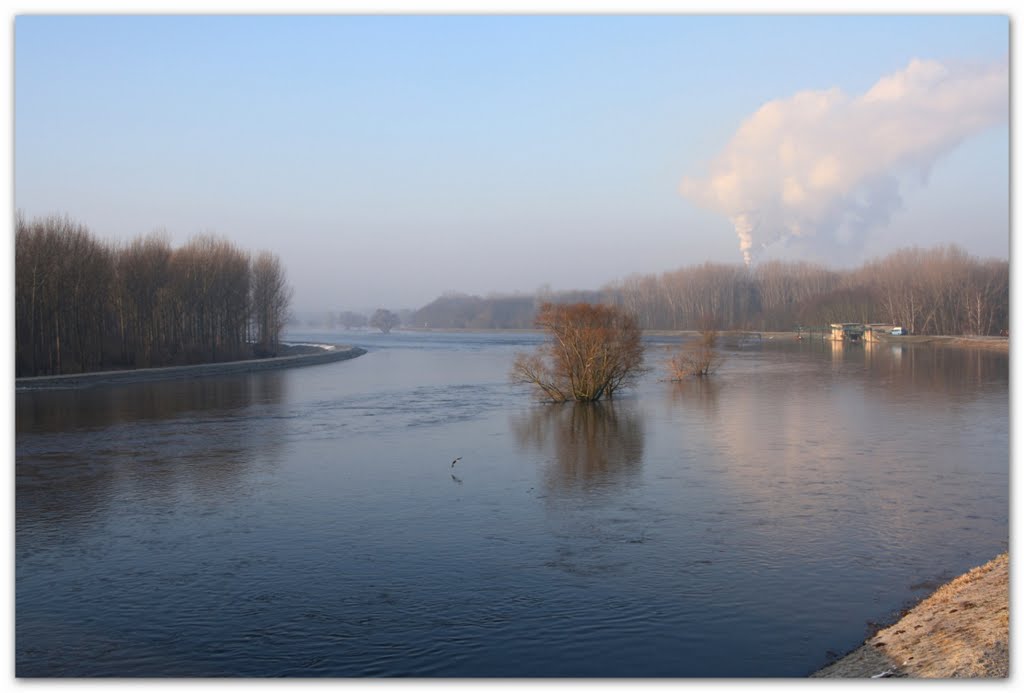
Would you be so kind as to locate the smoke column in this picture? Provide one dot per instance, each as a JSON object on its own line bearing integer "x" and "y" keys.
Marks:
{"x": 827, "y": 165}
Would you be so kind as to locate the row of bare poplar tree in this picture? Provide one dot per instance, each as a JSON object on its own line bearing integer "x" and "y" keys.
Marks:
{"x": 941, "y": 290}
{"x": 82, "y": 304}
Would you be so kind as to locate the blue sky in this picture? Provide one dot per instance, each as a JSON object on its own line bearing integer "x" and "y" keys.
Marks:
{"x": 387, "y": 160}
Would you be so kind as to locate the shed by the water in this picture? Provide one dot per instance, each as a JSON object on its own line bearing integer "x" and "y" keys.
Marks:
{"x": 847, "y": 331}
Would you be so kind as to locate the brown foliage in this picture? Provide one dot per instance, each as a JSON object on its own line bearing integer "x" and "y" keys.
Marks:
{"x": 271, "y": 296}
{"x": 61, "y": 286}
{"x": 697, "y": 358}
{"x": 593, "y": 351}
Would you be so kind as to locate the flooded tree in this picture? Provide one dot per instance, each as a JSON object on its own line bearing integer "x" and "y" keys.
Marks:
{"x": 696, "y": 358}
{"x": 384, "y": 320}
{"x": 592, "y": 352}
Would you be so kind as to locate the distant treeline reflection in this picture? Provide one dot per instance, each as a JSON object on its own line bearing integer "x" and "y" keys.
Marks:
{"x": 47, "y": 411}
{"x": 76, "y": 448}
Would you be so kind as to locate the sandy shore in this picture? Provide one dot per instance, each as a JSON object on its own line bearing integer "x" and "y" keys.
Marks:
{"x": 299, "y": 355}
{"x": 960, "y": 631}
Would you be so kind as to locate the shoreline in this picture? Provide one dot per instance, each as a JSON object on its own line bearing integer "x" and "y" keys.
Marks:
{"x": 970, "y": 341}
{"x": 962, "y": 630}
{"x": 324, "y": 354}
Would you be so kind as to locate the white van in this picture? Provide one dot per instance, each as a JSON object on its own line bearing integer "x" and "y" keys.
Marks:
{"x": 897, "y": 332}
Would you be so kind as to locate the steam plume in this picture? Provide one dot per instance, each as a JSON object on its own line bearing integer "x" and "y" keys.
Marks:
{"x": 823, "y": 164}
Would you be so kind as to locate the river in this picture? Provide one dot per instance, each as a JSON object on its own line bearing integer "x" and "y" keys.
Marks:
{"x": 309, "y": 522}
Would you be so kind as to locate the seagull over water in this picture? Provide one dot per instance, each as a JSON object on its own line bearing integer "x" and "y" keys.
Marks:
{"x": 455, "y": 460}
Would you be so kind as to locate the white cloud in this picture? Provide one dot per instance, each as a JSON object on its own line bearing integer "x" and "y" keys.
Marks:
{"x": 826, "y": 164}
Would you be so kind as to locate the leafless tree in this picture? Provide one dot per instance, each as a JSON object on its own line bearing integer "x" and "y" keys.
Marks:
{"x": 84, "y": 305}
{"x": 592, "y": 352}
{"x": 271, "y": 297}
{"x": 696, "y": 358}
{"x": 384, "y": 320}
{"x": 62, "y": 278}
{"x": 350, "y": 319}
{"x": 141, "y": 299}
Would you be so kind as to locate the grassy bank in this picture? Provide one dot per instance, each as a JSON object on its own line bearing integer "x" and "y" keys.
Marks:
{"x": 961, "y": 631}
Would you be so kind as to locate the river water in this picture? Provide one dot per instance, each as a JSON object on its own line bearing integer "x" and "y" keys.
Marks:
{"x": 309, "y": 522}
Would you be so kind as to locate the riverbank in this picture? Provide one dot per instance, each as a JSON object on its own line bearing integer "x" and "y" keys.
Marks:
{"x": 298, "y": 355}
{"x": 973, "y": 342}
{"x": 980, "y": 342}
{"x": 960, "y": 631}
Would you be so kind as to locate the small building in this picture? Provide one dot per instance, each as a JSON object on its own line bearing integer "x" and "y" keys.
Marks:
{"x": 847, "y": 331}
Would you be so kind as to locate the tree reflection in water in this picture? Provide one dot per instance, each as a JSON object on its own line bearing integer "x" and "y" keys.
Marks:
{"x": 592, "y": 443}
{"x": 79, "y": 453}
{"x": 695, "y": 394}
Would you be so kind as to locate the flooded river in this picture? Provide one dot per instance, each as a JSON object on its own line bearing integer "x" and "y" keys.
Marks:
{"x": 309, "y": 522}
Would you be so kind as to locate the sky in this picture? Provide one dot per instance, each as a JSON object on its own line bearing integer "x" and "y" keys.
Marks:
{"x": 390, "y": 159}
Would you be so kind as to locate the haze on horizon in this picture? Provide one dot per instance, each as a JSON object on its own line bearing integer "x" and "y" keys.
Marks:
{"x": 388, "y": 160}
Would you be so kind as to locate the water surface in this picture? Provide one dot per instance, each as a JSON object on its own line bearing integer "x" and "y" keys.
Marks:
{"x": 309, "y": 522}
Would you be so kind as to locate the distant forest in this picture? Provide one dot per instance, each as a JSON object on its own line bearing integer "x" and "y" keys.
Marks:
{"x": 84, "y": 305}
{"x": 941, "y": 290}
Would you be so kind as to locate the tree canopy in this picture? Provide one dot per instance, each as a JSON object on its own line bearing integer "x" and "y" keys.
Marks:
{"x": 384, "y": 320}
{"x": 593, "y": 351}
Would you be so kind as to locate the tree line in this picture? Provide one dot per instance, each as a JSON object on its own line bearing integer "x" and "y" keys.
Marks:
{"x": 82, "y": 304}
{"x": 941, "y": 290}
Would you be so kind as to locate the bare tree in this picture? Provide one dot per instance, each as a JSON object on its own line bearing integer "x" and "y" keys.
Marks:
{"x": 83, "y": 305}
{"x": 271, "y": 297}
{"x": 62, "y": 284}
{"x": 350, "y": 319}
{"x": 384, "y": 320}
{"x": 696, "y": 358}
{"x": 593, "y": 351}
{"x": 141, "y": 295}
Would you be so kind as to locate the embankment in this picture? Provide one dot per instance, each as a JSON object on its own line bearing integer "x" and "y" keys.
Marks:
{"x": 304, "y": 357}
{"x": 960, "y": 631}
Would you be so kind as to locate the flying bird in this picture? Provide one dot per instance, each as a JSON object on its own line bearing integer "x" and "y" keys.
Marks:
{"x": 455, "y": 460}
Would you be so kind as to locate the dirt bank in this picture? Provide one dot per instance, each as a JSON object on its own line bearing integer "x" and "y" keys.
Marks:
{"x": 960, "y": 631}
{"x": 994, "y": 343}
{"x": 297, "y": 355}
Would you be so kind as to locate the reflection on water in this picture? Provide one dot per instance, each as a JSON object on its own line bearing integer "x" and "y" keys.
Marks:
{"x": 939, "y": 370}
{"x": 695, "y": 394}
{"x": 62, "y": 410}
{"x": 79, "y": 450}
{"x": 839, "y": 350}
{"x": 309, "y": 522}
{"x": 591, "y": 443}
